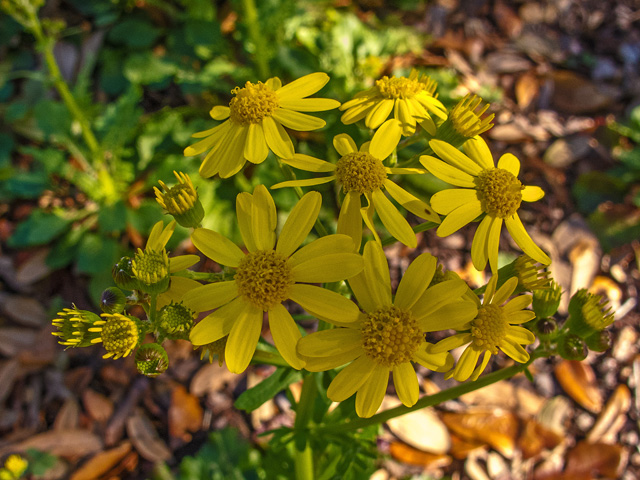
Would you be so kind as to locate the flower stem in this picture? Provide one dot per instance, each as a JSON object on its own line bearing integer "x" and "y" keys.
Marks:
{"x": 303, "y": 453}
{"x": 253, "y": 26}
{"x": 262, "y": 357}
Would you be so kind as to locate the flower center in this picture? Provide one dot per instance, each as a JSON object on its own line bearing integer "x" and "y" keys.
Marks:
{"x": 391, "y": 336}
{"x": 466, "y": 118}
{"x": 120, "y": 335}
{"x": 489, "y": 327}
{"x": 404, "y": 87}
{"x": 252, "y": 103}
{"x": 501, "y": 192}
{"x": 176, "y": 318}
{"x": 150, "y": 267}
{"x": 177, "y": 199}
{"x": 360, "y": 172}
{"x": 264, "y": 278}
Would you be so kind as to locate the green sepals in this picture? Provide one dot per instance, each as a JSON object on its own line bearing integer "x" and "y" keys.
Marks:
{"x": 599, "y": 341}
{"x": 546, "y": 328}
{"x": 151, "y": 359}
{"x": 588, "y": 314}
{"x": 572, "y": 347}
{"x": 547, "y": 300}
{"x": 123, "y": 274}
{"x": 113, "y": 300}
{"x": 192, "y": 218}
{"x": 175, "y": 321}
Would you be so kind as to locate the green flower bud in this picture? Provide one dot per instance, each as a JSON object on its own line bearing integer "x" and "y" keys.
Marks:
{"x": 151, "y": 269}
{"x": 122, "y": 274}
{"x": 181, "y": 201}
{"x": 546, "y": 328}
{"x": 599, "y": 341}
{"x": 547, "y": 300}
{"x": 465, "y": 121}
{"x": 113, "y": 300}
{"x": 151, "y": 359}
{"x": 572, "y": 347}
{"x": 119, "y": 334}
{"x": 77, "y": 328}
{"x": 588, "y": 313}
{"x": 176, "y": 320}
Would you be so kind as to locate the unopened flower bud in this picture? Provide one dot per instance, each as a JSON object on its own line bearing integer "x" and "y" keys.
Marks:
{"x": 572, "y": 347}
{"x": 113, "y": 300}
{"x": 151, "y": 359}
{"x": 176, "y": 320}
{"x": 547, "y": 300}
{"x": 151, "y": 269}
{"x": 465, "y": 121}
{"x": 181, "y": 201}
{"x": 123, "y": 274}
{"x": 77, "y": 328}
{"x": 599, "y": 341}
{"x": 546, "y": 328}
{"x": 588, "y": 313}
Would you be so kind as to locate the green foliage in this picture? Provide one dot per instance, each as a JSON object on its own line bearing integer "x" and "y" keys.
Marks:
{"x": 267, "y": 389}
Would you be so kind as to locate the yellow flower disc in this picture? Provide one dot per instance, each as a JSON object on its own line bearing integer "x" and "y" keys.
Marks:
{"x": 252, "y": 103}
{"x": 150, "y": 267}
{"x": 120, "y": 335}
{"x": 489, "y": 327}
{"x": 391, "y": 335}
{"x": 360, "y": 172}
{"x": 500, "y": 191}
{"x": 264, "y": 278}
{"x": 403, "y": 87}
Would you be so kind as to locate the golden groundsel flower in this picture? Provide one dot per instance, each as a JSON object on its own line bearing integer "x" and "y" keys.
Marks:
{"x": 255, "y": 121}
{"x": 361, "y": 172}
{"x": 269, "y": 274}
{"x": 496, "y": 192}
{"x": 389, "y": 334}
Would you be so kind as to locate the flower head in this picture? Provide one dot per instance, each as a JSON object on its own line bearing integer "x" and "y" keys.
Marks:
{"x": 14, "y": 467}
{"x": 389, "y": 334}
{"x": 465, "y": 121}
{"x": 412, "y": 100}
{"x": 176, "y": 320}
{"x": 485, "y": 189}
{"x": 151, "y": 359}
{"x": 588, "y": 313}
{"x": 495, "y": 327}
{"x": 255, "y": 123}
{"x": 267, "y": 275}
{"x": 361, "y": 172}
{"x": 119, "y": 334}
{"x": 181, "y": 201}
{"x": 77, "y": 328}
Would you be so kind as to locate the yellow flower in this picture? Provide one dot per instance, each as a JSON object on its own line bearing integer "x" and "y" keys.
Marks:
{"x": 181, "y": 201}
{"x": 361, "y": 172}
{"x": 14, "y": 467}
{"x": 268, "y": 275}
{"x": 390, "y": 334}
{"x": 256, "y": 117}
{"x": 411, "y": 99}
{"x": 494, "y": 328}
{"x": 497, "y": 192}
{"x": 465, "y": 121}
{"x": 119, "y": 334}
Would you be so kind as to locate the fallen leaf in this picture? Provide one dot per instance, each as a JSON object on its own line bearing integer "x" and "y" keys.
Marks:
{"x": 535, "y": 438}
{"x": 68, "y": 417}
{"x": 34, "y": 268}
{"x": 555, "y": 414}
{"x": 210, "y": 378}
{"x": 406, "y": 454}
{"x": 579, "y": 381}
{"x": 26, "y": 311}
{"x": 101, "y": 463}
{"x": 145, "y": 439}
{"x": 597, "y": 460}
{"x": 99, "y": 407}
{"x": 412, "y": 427}
{"x": 461, "y": 448}
{"x": 9, "y": 371}
{"x": 185, "y": 414}
{"x": 69, "y": 444}
{"x": 575, "y": 94}
{"x": 506, "y": 395}
{"x": 526, "y": 89}
{"x": 613, "y": 416}
{"x": 14, "y": 339}
{"x": 494, "y": 427}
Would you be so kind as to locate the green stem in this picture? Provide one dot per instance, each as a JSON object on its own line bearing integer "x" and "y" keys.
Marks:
{"x": 267, "y": 358}
{"x": 205, "y": 276}
{"x": 303, "y": 453}
{"x": 152, "y": 309}
{"x": 430, "y": 400}
{"x": 422, "y": 227}
{"x": 260, "y": 54}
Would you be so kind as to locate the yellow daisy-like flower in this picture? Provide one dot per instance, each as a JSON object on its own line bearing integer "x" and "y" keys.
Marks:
{"x": 255, "y": 121}
{"x": 494, "y": 328}
{"x": 361, "y": 172}
{"x": 390, "y": 334}
{"x": 496, "y": 192}
{"x": 410, "y": 99}
{"x": 269, "y": 274}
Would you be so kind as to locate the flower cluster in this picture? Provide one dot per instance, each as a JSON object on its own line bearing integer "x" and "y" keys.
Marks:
{"x": 366, "y": 328}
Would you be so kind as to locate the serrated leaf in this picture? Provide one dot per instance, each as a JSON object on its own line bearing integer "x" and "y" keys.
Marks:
{"x": 267, "y": 389}
{"x": 96, "y": 254}
{"x": 39, "y": 229}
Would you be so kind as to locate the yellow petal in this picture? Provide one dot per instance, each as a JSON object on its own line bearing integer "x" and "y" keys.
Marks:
{"x": 349, "y": 220}
{"x": 160, "y": 235}
{"x": 493, "y": 243}
{"x": 516, "y": 304}
{"x": 449, "y": 343}
{"x": 181, "y": 262}
{"x": 243, "y": 338}
{"x": 445, "y": 201}
{"x": 308, "y": 182}
{"x": 324, "y": 303}
{"x": 437, "y": 362}
{"x": 386, "y": 139}
{"x": 336, "y": 243}
{"x": 455, "y": 157}
{"x": 263, "y": 219}
{"x": 327, "y": 343}
{"x": 350, "y": 379}
{"x": 480, "y": 368}
{"x": 321, "y": 364}
{"x": 309, "y": 163}
{"x": 391, "y": 218}
{"x": 370, "y": 394}
{"x": 479, "y": 152}
{"x": 217, "y": 247}
{"x": 379, "y": 113}
{"x": 406, "y": 382}
{"x": 415, "y": 280}
{"x": 274, "y": 83}
{"x": 505, "y": 291}
{"x": 231, "y": 152}
{"x": 244, "y": 201}
{"x": 328, "y": 268}
{"x": 285, "y": 335}
{"x": 310, "y": 104}
{"x": 255, "y": 149}
{"x": 277, "y": 138}
{"x": 459, "y": 217}
{"x": 446, "y": 172}
{"x": 514, "y": 350}
{"x": 522, "y": 238}
{"x": 208, "y": 297}
{"x": 455, "y": 315}
{"x": 411, "y": 203}
{"x": 361, "y": 291}
{"x": 437, "y": 296}
{"x": 479, "y": 249}
{"x": 532, "y": 193}
{"x": 299, "y": 223}
{"x": 211, "y": 131}
{"x": 298, "y": 121}
{"x": 344, "y": 144}
{"x": 303, "y": 86}
{"x": 220, "y": 112}
{"x": 376, "y": 272}
{"x": 356, "y": 113}
{"x": 217, "y": 324}
{"x": 405, "y": 117}
{"x": 510, "y": 163}
{"x": 367, "y": 215}
{"x": 466, "y": 364}
{"x": 520, "y": 334}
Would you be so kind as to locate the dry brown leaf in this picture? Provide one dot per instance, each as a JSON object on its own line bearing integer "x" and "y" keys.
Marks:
{"x": 210, "y": 378}
{"x": 535, "y": 438}
{"x": 145, "y": 439}
{"x": 527, "y": 87}
{"x": 411, "y": 428}
{"x": 62, "y": 443}
{"x": 495, "y": 427}
{"x": 597, "y": 459}
{"x": 68, "y": 417}
{"x": 461, "y": 448}
{"x": 14, "y": 339}
{"x": 575, "y": 94}
{"x": 613, "y": 416}
{"x": 406, "y": 454}
{"x": 46, "y": 351}
{"x": 185, "y": 414}
{"x": 34, "y": 268}
{"x": 101, "y": 463}
{"x": 555, "y": 414}
{"x": 506, "y": 395}
{"x": 99, "y": 407}
{"x": 9, "y": 371}
{"x": 26, "y": 311}
{"x": 579, "y": 381}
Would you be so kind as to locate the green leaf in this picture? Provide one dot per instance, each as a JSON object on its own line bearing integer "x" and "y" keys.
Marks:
{"x": 53, "y": 118}
{"x": 65, "y": 249}
{"x": 112, "y": 218}
{"x": 96, "y": 254}
{"x": 6, "y": 147}
{"x": 267, "y": 389}
{"x": 146, "y": 68}
{"x": 39, "y": 229}
{"x": 26, "y": 184}
{"x": 134, "y": 32}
